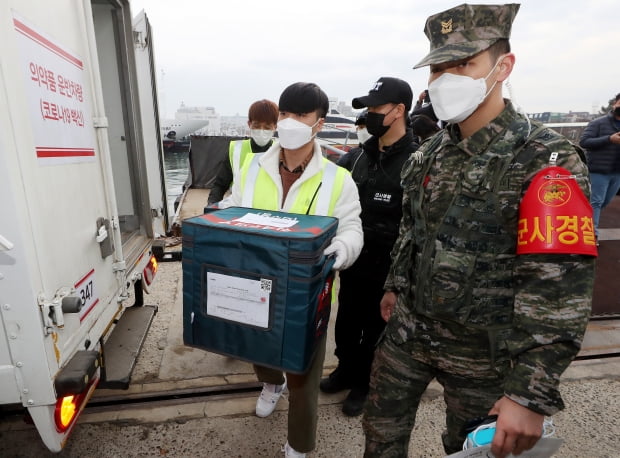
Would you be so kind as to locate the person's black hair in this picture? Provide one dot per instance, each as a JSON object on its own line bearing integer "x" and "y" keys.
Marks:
{"x": 426, "y": 110}
{"x": 499, "y": 48}
{"x": 423, "y": 126}
{"x": 300, "y": 98}
{"x": 617, "y": 97}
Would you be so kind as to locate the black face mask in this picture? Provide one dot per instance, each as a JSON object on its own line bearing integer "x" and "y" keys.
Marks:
{"x": 374, "y": 124}
{"x": 616, "y": 112}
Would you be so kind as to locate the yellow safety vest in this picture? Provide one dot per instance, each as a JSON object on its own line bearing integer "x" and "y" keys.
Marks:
{"x": 317, "y": 195}
{"x": 238, "y": 150}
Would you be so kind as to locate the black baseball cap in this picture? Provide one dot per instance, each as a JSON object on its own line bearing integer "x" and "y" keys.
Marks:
{"x": 386, "y": 90}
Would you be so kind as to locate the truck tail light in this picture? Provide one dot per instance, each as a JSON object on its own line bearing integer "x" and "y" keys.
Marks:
{"x": 150, "y": 270}
{"x": 70, "y": 406}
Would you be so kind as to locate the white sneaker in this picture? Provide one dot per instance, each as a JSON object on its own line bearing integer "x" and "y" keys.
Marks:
{"x": 290, "y": 452}
{"x": 266, "y": 402}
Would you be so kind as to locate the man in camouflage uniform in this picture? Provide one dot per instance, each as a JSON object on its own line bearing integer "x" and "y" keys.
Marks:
{"x": 496, "y": 329}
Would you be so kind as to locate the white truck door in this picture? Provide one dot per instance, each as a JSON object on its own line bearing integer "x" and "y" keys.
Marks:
{"x": 22, "y": 350}
{"x": 151, "y": 132}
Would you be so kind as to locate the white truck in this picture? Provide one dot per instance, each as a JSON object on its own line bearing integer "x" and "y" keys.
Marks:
{"x": 82, "y": 200}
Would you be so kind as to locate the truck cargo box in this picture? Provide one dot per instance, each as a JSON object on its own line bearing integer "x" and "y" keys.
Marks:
{"x": 82, "y": 194}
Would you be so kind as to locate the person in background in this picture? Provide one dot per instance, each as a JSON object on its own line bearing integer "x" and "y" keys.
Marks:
{"x": 262, "y": 119}
{"x": 423, "y": 127}
{"x": 293, "y": 176}
{"x": 376, "y": 168}
{"x": 424, "y": 122}
{"x": 601, "y": 140}
{"x": 361, "y": 130}
{"x": 473, "y": 297}
{"x": 362, "y": 135}
{"x": 423, "y": 106}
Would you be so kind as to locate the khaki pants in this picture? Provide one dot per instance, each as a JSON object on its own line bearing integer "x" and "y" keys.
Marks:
{"x": 303, "y": 399}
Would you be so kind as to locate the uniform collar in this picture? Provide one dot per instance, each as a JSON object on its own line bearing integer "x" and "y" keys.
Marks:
{"x": 481, "y": 140}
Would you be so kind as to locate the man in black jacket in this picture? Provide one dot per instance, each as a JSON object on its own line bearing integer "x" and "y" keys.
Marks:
{"x": 375, "y": 168}
{"x": 601, "y": 140}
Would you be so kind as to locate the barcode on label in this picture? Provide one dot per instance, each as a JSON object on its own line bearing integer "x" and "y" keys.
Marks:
{"x": 265, "y": 285}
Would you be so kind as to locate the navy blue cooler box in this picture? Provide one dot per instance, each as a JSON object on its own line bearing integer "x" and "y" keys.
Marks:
{"x": 256, "y": 285}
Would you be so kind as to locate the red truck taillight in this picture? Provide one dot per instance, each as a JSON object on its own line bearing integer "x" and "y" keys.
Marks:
{"x": 149, "y": 271}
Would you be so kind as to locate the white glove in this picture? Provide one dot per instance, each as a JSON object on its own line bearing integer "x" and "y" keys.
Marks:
{"x": 339, "y": 251}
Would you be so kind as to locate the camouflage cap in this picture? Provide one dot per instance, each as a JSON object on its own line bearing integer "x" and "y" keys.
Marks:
{"x": 466, "y": 30}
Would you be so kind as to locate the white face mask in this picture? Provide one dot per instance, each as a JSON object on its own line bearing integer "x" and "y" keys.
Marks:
{"x": 261, "y": 136}
{"x": 294, "y": 134}
{"x": 456, "y": 97}
{"x": 363, "y": 135}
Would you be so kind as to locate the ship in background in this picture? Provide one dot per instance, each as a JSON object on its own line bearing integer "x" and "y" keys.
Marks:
{"x": 175, "y": 133}
{"x": 338, "y": 133}
{"x": 339, "y": 127}
{"x": 187, "y": 121}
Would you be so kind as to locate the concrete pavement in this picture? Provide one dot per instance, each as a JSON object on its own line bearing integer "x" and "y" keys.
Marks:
{"x": 227, "y": 427}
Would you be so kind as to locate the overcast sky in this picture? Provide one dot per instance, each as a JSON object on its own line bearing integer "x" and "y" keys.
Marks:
{"x": 229, "y": 53}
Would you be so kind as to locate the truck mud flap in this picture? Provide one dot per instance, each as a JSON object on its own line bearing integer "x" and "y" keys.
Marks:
{"x": 122, "y": 348}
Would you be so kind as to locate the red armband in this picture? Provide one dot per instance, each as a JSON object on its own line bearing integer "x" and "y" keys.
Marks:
{"x": 555, "y": 216}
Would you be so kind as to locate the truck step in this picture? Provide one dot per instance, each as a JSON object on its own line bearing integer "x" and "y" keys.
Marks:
{"x": 163, "y": 255}
{"x": 122, "y": 348}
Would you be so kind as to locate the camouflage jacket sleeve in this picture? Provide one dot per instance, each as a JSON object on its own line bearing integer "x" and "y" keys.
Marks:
{"x": 553, "y": 297}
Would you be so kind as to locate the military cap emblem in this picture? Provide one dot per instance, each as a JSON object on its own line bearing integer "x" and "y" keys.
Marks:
{"x": 466, "y": 30}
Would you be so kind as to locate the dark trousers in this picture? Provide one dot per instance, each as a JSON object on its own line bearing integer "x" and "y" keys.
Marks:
{"x": 303, "y": 399}
{"x": 358, "y": 322}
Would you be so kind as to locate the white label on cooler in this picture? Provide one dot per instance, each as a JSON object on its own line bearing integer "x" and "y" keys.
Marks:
{"x": 238, "y": 299}
{"x": 267, "y": 219}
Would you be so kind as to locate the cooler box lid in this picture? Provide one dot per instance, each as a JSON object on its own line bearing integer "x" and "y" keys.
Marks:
{"x": 266, "y": 223}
